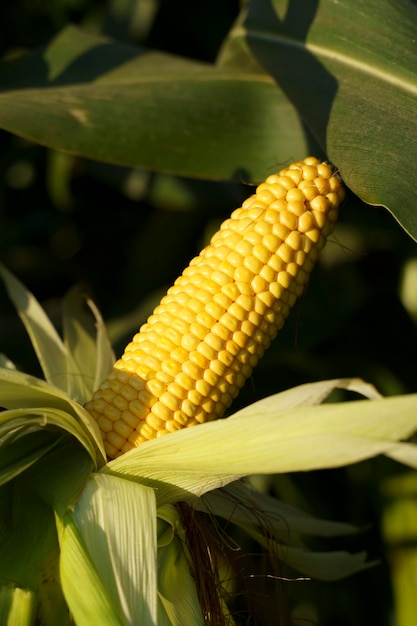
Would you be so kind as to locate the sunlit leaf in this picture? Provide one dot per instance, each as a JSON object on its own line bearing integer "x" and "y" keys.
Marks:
{"x": 17, "y": 607}
{"x": 117, "y": 522}
{"x": 265, "y": 439}
{"x": 15, "y": 422}
{"x": 406, "y": 453}
{"x": 82, "y": 586}
{"x": 45, "y": 340}
{"x": 352, "y": 89}
{"x": 22, "y": 391}
{"x": 108, "y": 101}
{"x": 6, "y": 362}
{"x": 105, "y": 357}
{"x": 90, "y": 356}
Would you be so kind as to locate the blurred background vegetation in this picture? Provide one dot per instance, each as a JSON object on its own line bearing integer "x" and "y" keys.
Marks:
{"x": 125, "y": 234}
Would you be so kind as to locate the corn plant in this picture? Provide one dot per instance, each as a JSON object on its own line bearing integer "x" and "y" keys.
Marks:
{"x": 103, "y": 521}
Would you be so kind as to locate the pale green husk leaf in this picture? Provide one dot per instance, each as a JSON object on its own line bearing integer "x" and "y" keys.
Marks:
{"x": 17, "y": 607}
{"x": 17, "y": 422}
{"x": 82, "y": 586}
{"x": 6, "y": 363}
{"x": 77, "y": 364}
{"x": 329, "y": 566}
{"x": 250, "y": 508}
{"x": 405, "y": 454}
{"x": 177, "y": 594}
{"x": 265, "y": 438}
{"x": 45, "y": 340}
{"x": 114, "y": 527}
{"x": 88, "y": 346}
{"x": 48, "y": 405}
{"x": 277, "y": 526}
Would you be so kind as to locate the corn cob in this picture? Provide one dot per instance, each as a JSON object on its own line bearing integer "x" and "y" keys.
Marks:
{"x": 194, "y": 353}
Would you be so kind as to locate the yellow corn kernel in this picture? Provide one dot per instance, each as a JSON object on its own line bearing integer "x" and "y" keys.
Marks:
{"x": 194, "y": 353}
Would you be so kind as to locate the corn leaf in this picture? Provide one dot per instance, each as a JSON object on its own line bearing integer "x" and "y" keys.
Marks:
{"x": 112, "y": 530}
{"x": 21, "y": 390}
{"x": 91, "y": 96}
{"x": 17, "y": 607}
{"x": 29, "y": 552}
{"x": 310, "y": 394}
{"x": 288, "y": 66}
{"x": 349, "y": 85}
{"x": 177, "y": 594}
{"x": 6, "y": 362}
{"x": 406, "y": 454}
{"x": 105, "y": 357}
{"x": 263, "y": 438}
{"x": 328, "y": 566}
{"x": 79, "y": 340}
{"x": 90, "y": 355}
{"x": 78, "y": 363}
{"x": 17, "y": 458}
{"x": 24, "y": 392}
{"x": 17, "y": 422}
{"x": 243, "y": 504}
{"x": 84, "y": 591}
{"x": 276, "y": 526}
{"x": 60, "y": 475}
{"x": 46, "y": 342}
{"x": 399, "y": 531}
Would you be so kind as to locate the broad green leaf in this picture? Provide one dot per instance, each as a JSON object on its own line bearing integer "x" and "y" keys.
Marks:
{"x": 104, "y": 100}
{"x": 22, "y": 391}
{"x": 46, "y": 342}
{"x": 283, "y": 61}
{"x": 349, "y": 69}
{"x": 264, "y": 439}
{"x": 17, "y": 607}
{"x": 117, "y": 522}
